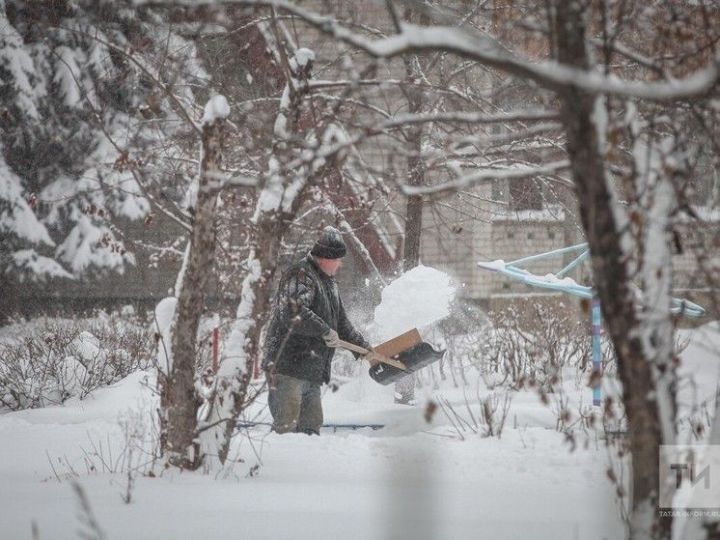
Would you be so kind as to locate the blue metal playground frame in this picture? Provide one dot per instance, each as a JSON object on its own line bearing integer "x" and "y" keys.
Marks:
{"x": 561, "y": 283}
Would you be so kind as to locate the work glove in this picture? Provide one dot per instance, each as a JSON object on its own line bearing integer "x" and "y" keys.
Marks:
{"x": 331, "y": 338}
{"x": 373, "y": 358}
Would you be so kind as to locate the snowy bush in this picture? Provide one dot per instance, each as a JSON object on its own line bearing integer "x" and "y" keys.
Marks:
{"x": 533, "y": 348}
{"x": 46, "y": 361}
{"x": 493, "y": 413}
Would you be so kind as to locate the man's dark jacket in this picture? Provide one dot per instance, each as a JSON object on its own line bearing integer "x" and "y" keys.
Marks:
{"x": 307, "y": 305}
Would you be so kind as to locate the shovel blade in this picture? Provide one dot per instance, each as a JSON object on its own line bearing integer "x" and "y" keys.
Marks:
{"x": 416, "y": 357}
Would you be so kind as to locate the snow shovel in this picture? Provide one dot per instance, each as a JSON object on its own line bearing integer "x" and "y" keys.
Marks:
{"x": 399, "y": 357}
{"x": 416, "y": 357}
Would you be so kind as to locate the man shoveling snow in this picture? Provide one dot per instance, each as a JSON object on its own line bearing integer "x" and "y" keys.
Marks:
{"x": 307, "y": 323}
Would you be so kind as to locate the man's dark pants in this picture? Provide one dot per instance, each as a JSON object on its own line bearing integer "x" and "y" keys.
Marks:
{"x": 295, "y": 405}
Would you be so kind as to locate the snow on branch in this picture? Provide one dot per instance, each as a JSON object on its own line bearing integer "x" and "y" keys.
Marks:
{"x": 236, "y": 180}
{"x": 19, "y": 70}
{"x": 302, "y": 60}
{"x": 164, "y": 325}
{"x": 470, "y": 117}
{"x": 342, "y": 83}
{"x": 217, "y": 108}
{"x": 146, "y": 69}
{"x": 485, "y": 175}
{"x": 16, "y": 214}
{"x": 29, "y": 263}
{"x": 470, "y": 44}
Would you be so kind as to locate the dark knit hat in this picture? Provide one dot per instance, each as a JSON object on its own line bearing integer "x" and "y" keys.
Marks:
{"x": 330, "y": 245}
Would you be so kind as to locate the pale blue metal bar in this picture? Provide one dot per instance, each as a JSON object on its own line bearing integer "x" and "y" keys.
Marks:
{"x": 548, "y": 282}
{"x": 572, "y": 265}
{"x": 548, "y": 254}
{"x": 679, "y": 306}
{"x": 556, "y": 282}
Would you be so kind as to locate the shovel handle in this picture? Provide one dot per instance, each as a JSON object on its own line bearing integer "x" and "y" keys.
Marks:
{"x": 352, "y": 347}
{"x": 362, "y": 350}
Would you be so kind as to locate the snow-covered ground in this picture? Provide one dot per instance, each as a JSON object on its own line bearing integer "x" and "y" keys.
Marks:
{"x": 417, "y": 478}
{"x": 410, "y": 480}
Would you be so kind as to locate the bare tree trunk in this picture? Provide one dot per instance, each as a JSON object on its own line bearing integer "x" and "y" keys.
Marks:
{"x": 405, "y": 387}
{"x": 358, "y": 247}
{"x": 181, "y": 401}
{"x": 278, "y": 204}
{"x": 413, "y": 218}
{"x": 580, "y": 114}
{"x": 416, "y": 170}
{"x": 264, "y": 254}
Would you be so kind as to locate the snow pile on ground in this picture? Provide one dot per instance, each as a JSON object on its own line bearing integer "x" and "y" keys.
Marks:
{"x": 417, "y": 299}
